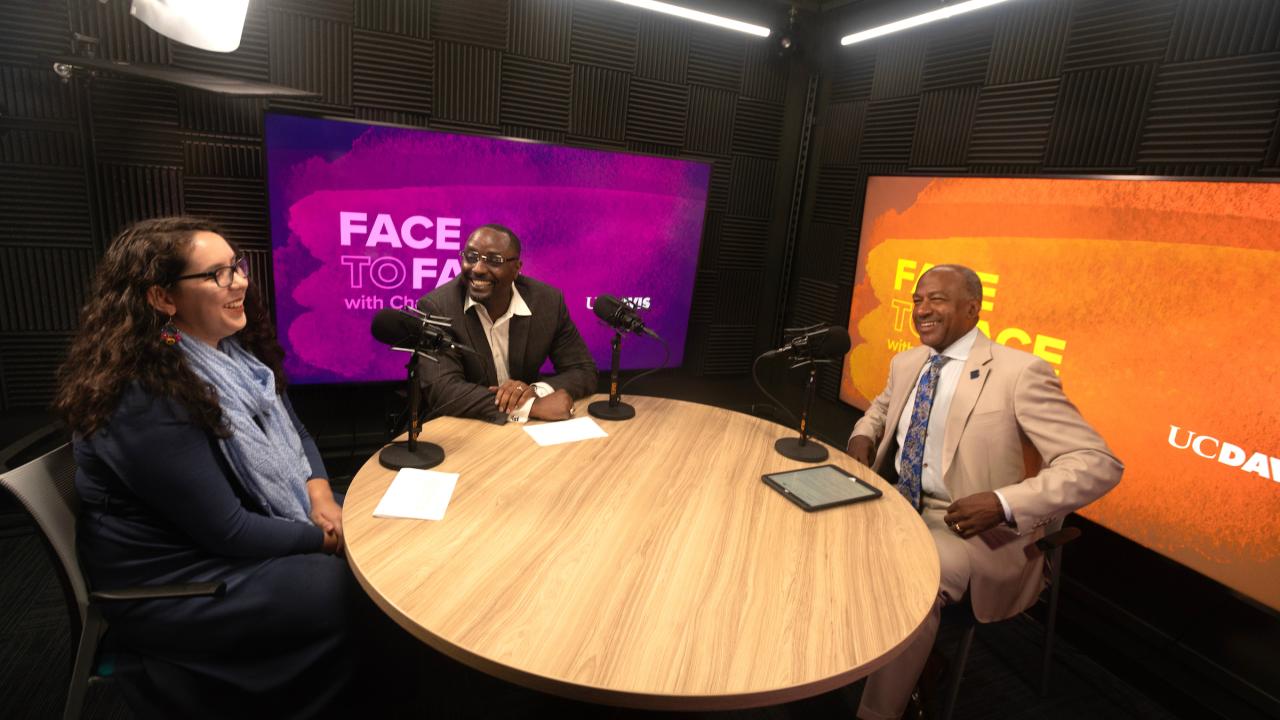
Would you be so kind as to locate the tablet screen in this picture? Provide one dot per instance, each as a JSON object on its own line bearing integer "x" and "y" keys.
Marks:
{"x": 822, "y": 486}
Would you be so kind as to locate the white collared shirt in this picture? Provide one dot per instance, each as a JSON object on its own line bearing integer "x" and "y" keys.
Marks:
{"x": 931, "y": 482}
{"x": 498, "y": 333}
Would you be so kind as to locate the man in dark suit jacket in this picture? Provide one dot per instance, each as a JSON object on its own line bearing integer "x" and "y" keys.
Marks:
{"x": 515, "y": 323}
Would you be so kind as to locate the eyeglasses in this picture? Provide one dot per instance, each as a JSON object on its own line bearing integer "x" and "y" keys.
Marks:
{"x": 222, "y": 276}
{"x": 471, "y": 257}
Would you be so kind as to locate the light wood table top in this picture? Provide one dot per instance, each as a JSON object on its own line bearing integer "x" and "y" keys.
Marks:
{"x": 649, "y": 569}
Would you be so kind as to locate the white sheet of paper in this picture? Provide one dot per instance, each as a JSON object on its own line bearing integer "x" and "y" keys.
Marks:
{"x": 565, "y": 431}
{"x": 419, "y": 494}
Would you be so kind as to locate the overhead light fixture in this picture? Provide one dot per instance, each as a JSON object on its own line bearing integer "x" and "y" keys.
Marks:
{"x": 698, "y": 16}
{"x": 941, "y": 14}
{"x": 213, "y": 26}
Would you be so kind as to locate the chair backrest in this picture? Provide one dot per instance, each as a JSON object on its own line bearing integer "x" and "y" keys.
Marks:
{"x": 46, "y": 488}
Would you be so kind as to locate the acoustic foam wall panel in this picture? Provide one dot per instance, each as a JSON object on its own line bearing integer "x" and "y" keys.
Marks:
{"x": 542, "y": 29}
{"x": 311, "y": 52}
{"x": 764, "y": 73}
{"x": 1218, "y": 111}
{"x": 751, "y": 186}
{"x": 656, "y": 111}
{"x": 599, "y": 102}
{"x": 1106, "y": 32}
{"x": 841, "y": 131}
{"x": 32, "y": 29}
{"x": 1012, "y": 123}
{"x": 899, "y": 66}
{"x": 44, "y": 287}
{"x": 392, "y": 72}
{"x": 711, "y": 116}
{"x": 958, "y": 54}
{"x": 218, "y": 159}
{"x": 662, "y": 51}
{"x": 888, "y": 130}
{"x": 29, "y": 361}
{"x": 757, "y": 127}
{"x": 715, "y": 59}
{"x": 1099, "y": 117}
{"x": 853, "y": 75}
{"x": 402, "y": 17}
{"x": 44, "y": 206}
{"x": 1203, "y": 30}
{"x": 1028, "y": 42}
{"x": 466, "y": 88}
{"x": 474, "y": 22}
{"x": 536, "y": 93}
{"x": 943, "y": 127}
{"x": 604, "y": 36}
{"x": 238, "y": 204}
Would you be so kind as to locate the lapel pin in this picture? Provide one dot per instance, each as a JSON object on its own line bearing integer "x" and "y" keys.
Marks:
{"x": 973, "y": 374}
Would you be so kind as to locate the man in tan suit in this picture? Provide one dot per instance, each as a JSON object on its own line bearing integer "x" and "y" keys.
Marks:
{"x": 981, "y": 438}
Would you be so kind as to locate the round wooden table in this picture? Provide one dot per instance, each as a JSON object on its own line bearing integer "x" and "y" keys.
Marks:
{"x": 649, "y": 569}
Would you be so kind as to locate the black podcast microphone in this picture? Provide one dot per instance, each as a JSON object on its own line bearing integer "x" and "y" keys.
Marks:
{"x": 827, "y": 342}
{"x": 420, "y": 335}
{"x": 621, "y": 316}
{"x": 404, "y": 329}
{"x": 809, "y": 346}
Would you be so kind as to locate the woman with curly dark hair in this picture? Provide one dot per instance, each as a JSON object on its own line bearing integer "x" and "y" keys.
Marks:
{"x": 192, "y": 466}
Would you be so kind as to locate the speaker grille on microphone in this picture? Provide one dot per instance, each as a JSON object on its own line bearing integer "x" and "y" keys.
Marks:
{"x": 606, "y": 307}
{"x": 835, "y": 343}
{"x": 395, "y": 328}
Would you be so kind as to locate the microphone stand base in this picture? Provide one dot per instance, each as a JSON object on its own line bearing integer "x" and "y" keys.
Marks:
{"x": 397, "y": 456}
{"x": 790, "y": 447}
{"x": 603, "y": 410}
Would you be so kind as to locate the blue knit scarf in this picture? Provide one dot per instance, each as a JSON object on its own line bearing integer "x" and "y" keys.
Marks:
{"x": 264, "y": 448}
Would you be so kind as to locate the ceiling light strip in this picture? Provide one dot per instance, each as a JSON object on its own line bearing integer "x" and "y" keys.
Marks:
{"x": 942, "y": 14}
{"x": 698, "y": 16}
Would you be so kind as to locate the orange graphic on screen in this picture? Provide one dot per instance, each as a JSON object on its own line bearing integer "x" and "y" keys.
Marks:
{"x": 1154, "y": 300}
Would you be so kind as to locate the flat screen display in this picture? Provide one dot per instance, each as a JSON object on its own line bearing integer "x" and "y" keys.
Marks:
{"x": 365, "y": 217}
{"x": 1155, "y": 300}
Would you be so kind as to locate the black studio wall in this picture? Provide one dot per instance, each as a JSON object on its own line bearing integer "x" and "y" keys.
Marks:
{"x": 80, "y": 159}
{"x": 1148, "y": 87}
{"x": 1163, "y": 87}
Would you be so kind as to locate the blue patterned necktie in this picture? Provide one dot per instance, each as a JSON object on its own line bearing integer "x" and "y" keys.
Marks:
{"x": 913, "y": 445}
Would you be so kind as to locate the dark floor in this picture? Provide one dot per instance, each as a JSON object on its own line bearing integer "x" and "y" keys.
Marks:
{"x": 35, "y": 660}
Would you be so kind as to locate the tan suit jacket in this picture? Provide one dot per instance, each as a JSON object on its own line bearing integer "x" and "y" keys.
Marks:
{"x": 1010, "y": 428}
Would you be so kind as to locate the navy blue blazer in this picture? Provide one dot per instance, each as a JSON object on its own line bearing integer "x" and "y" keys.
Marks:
{"x": 159, "y": 498}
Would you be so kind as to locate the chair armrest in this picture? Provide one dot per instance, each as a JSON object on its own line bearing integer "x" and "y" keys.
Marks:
{"x": 1057, "y": 539}
{"x": 162, "y": 592}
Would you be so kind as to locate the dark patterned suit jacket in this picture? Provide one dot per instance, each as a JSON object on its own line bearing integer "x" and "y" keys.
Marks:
{"x": 459, "y": 384}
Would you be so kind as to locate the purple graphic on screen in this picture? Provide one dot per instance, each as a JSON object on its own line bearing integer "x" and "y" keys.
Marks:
{"x": 365, "y": 217}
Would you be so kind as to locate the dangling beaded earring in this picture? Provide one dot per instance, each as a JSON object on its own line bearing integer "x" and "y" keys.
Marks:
{"x": 170, "y": 333}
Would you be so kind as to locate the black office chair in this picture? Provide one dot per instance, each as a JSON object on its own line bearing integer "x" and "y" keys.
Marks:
{"x": 1051, "y": 545}
{"x": 45, "y": 487}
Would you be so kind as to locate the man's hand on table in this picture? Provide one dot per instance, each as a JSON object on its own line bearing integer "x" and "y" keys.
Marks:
{"x": 556, "y": 406}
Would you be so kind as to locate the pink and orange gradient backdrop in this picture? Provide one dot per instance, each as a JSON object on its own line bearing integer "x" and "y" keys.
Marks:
{"x": 1157, "y": 303}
